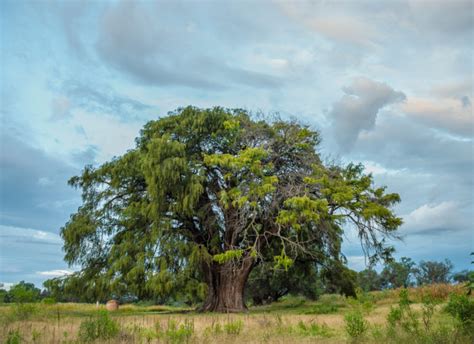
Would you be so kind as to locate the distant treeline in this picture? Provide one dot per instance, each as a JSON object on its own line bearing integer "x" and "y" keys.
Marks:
{"x": 266, "y": 284}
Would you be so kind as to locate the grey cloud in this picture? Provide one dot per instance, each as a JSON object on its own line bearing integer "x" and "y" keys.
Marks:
{"x": 25, "y": 250}
{"x": 99, "y": 99}
{"x": 156, "y": 51}
{"x": 357, "y": 109}
{"x": 24, "y": 200}
{"x": 61, "y": 107}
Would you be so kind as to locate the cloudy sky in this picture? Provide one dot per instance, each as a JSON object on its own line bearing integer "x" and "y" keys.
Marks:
{"x": 388, "y": 83}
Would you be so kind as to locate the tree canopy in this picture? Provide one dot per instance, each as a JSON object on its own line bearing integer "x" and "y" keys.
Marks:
{"x": 208, "y": 194}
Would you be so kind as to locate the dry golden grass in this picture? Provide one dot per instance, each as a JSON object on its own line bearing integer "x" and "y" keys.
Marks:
{"x": 284, "y": 322}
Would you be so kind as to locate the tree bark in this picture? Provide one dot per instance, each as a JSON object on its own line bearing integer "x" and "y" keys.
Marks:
{"x": 226, "y": 284}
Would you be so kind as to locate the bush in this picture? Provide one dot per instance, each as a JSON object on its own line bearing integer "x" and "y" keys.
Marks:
{"x": 23, "y": 311}
{"x": 356, "y": 325}
{"x": 49, "y": 301}
{"x": 462, "y": 308}
{"x": 100, "y": 327}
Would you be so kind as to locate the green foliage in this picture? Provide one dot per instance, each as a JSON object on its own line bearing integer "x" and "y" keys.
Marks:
{"x": 355, "y": 324}
{"x": 23, "y": 311}
{"x": 369, "y": 280}
{"x": 48, "y": 301}
{"x": 99, "y": 327}
{"x": 177, "y": 333}
{"x": 282, "y": 260}
{"x": 461, "y": 307}
{"x": 397, "y": 274}
{"x": 233, "y": 327}
{"x": 430, "y": 272}
{"x": 13, "y": 337}
{"x": 312, "y": 330}
{"x": 24, "y": 292}
{"x": 228, "y": 256}
{"x": 267, "y": 284}
{"x": 206, "y": 186}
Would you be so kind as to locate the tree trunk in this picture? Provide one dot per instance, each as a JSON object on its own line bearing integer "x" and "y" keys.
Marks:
{"x": 226, "y": 284}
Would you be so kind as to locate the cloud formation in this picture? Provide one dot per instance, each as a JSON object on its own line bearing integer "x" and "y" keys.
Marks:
{"x": 358, "y": 108}
{"x": 151, "y": 52}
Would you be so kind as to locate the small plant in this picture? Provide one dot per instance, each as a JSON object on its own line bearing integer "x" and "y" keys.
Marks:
{"x": 234, "y": 327}
{"x": 394, "y": 316}
{"x": 178, "y": 333}
{"x": 313, "y": 329}
{"x": 427, "y": 312}
{"x": 404, "y": 301}
{"x": 13, "y": 337}
{"x": 99, "y": 327}
{"x": 35, "y": 335}
{"x": 356, "y": 325}
{"x": 462, "y": 308}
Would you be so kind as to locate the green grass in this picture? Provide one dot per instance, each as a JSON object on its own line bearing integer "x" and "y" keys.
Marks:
{"x": 373, "y": 318}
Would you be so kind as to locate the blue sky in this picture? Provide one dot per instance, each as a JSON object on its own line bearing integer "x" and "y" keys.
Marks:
{"x": 388, "y": 84}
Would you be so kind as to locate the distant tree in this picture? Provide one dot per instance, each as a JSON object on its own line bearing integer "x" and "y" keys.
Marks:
{"x": 203, "y": 197}
{"x": 78, "y": 287}
{"x": 397, "y": 274}
{"x": 24, "y": 292}
{"x": 429, "y": 272}
{"x": 337, "y": 278}
{"x": 267, "y": 284}
{"x": 3, "y": 294}
{"x": 461, "y": 276}
{"x": 369, "y": 280}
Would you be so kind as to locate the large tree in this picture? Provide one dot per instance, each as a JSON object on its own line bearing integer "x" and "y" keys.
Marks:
{"x": 206, "y": 194}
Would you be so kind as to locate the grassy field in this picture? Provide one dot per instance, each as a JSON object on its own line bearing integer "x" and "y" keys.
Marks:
{"x": 378, "y": 317}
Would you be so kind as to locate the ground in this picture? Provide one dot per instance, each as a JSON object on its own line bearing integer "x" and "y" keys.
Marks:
{"x": 292, "y": 320}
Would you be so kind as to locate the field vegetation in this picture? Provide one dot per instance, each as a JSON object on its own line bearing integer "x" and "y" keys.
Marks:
{"x": 440, "y": 313}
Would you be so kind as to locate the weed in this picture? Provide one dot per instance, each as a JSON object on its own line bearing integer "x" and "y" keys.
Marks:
{"x": 35, "y": 335}
{"x": 13, "y": 337}
{"x": 178, "y": 333}
{"x": 99, "y": 327}
{"x": 356, "y": 325}
{"x": 462, "y": 308}
{"x": 23, "y": 311}
{"x": 234, "y": 327}
{"x": 313, "y": 330}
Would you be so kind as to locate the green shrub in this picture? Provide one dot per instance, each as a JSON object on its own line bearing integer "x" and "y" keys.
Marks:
{"x": 404, "y": 301}
{"x": 23, "y": 311}
{"x": 323, "y": 308}
{"x": 394, "y": 316}
{"x": 49, "y": 301}
{"x": 234, "y": 327}
{"x": 13, "y": 337}
{"x": 99, "y": 327}
{"x": 462, "y": 308}
{"x": 178, "y": 333}
{"x": 356, "y": 325}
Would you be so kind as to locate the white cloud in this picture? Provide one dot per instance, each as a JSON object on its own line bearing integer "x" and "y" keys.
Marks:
{"x": 6, "y": 285}
{"x": 54, "y": 273}
{"x": 430, "y": 218}
{"x": 378, "y": 169}
{"x": 19, "y": 234}
{"x": 329, "y": 21}
{"x": 452, "y": 115}
{"x": 45, "y": 181}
